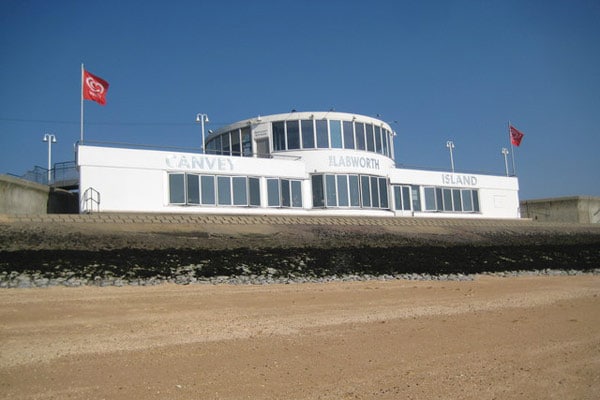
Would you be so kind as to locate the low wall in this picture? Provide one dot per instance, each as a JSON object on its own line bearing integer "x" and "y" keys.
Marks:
{"x": 18, "y": 196}
{"x": 580, "y": 209}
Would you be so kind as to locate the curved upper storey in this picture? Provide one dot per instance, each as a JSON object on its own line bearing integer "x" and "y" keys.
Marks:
{"x": 300, "y": 131}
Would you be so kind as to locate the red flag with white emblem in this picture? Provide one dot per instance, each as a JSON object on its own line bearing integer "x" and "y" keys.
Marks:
{"x": 94, "y": 88}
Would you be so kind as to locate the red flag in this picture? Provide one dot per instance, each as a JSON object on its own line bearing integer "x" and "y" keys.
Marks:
{"x": 94, "y": 88}
{"x": 515, "y": 136}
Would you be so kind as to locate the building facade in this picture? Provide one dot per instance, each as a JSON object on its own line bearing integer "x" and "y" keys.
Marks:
{"x": 314, "y": 163}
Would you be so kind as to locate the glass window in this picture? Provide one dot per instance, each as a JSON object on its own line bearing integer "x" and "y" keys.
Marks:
{"x": 235, "y": 143}
{"x": 359, "y": 129}
{"x": 370, "y": 138}
{"x": 397, "y": 198}
{"x": 176, "y": 189}
{"x": 285, "y": 193}
{"x": 278, "y": 135}
{"x": 475, "y": 200}
{"x": 296, "y": 193}
{"x": 430, "y": 199}
{"x": 415, "y": 192}
{"x": 208, "y": 189}
{"x": 342, "y": 190}
{"x": 335, "y": 130}
{"x": 317, "y": 191}
{"x": 193, "y": 189}
{"x": 354, "y": 190}
{"x": 246, "y": 143}
{"x": 374, "y": 192}
{"x": 365, "y": 186}
{"x": 293, "y": 135}
{"x": 406, "y": 198}
{"x": 383, "y": 193}
{"x": 378, "y": 147}
{"x": 457, "y": 202}
{"x": 330, "y": 190}
{"x": 224, "y": 190}
{"x": 308, "y": 134}
{"x": 273, "y": 192}
{"x": 384, "y": 138}
{"x": 254, "y": 190}
{"x": 467, "y": 200}
{"x": 226, "y": 144}
{"x": 448, "y": 200}
{"x": 217, "y": 145}
{"x": 348, "y": 135}
{"x": 322, "y": 136}
{"x": 240, "y": 193}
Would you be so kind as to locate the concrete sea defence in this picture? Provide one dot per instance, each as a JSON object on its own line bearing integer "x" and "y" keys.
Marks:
{"x": 142, "y": 249}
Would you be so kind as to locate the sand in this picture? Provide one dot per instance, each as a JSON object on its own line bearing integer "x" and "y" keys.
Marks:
{"x": 491, "y": 338}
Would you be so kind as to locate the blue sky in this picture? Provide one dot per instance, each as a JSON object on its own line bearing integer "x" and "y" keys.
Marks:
{"x": 443, "y": 70}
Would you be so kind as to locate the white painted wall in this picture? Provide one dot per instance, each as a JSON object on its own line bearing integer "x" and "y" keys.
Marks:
{"x": 134, "y": 180}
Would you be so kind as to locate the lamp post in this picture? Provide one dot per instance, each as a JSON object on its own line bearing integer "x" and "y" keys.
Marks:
{"x": 50, "y": 138}
{"x": 202, "y": 118}
{"x": 505, "y": 153}
{"x": 450, "y": 146}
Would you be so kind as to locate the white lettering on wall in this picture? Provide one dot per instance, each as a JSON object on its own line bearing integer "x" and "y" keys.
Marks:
{"x": 353, "y": 161}
{"x": 202, "y": 163}
{"x": 459, "y": 180}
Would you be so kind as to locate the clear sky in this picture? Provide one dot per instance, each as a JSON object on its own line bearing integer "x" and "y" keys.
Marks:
{"x": 435, "y": 70}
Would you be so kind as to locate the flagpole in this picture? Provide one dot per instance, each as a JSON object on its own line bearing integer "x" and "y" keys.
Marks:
{"x": 81, "y": 119}
{"x": 512, "y": 151}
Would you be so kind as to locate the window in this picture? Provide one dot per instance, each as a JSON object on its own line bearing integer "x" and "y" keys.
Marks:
{"x": 330, "y": 190}
{"x": 296, "y": 193}
{"x": 225, "y": 143}
{"x": 254, "y": 191}
{"x": 402, "y": 198}
{"x": 284, "y": 192}
{"x": 456, "y": 198}
{"x": 196, "y": 189}
{"x": 348, "y": 135}
{"x": 378, "y": 147}
{"x": 224, "y": 190}
{"x": 448, "y": 200}
{"x": 322, "y": 135}
{"x": 383, "y": 193}
{"x": 467, "y": 200}
{"x": 246, "y": 143}
{"x": 335, "y": 129}
{"x": 370, "y": 138}
{"x": 293, "y": 135}
{"x": 308, "y": 134}
{"x": 360, "y": 135}
{"x": 176, "y": 189}
{"x": 317, "y": 191}
{"x": 354, "y": 190}
{"x": 278, "y": 135}
{"x": 430, "y": 204}
{"x": 415, "y": 192}
{"x": 235, "y": 143}
{"x": 193, "y": 189}
{"x": 385, "y": 137}
{"x": 240, "y": 191}
{"x": 342, "y": 191}
{"x": 365, "y": 188}
{"x": 208, "y": 189}
{"x": 273, "y": 192}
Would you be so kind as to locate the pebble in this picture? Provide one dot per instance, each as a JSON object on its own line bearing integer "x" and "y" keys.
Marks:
{"x": 14, "y": 279}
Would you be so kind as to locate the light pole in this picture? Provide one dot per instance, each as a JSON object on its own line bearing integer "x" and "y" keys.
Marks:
{"x": 505, "y": 153}
{"x": 50, "y": 138}
{"x": 450, "y": 146}
{"x": 202, "y": 118}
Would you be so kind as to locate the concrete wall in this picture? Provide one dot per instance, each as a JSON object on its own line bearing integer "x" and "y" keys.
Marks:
{"x": 18, "y": 196}
{"x": 581, "y": 209}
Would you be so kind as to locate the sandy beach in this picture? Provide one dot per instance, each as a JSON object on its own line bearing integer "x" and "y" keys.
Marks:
{"x": 490, "y": 338}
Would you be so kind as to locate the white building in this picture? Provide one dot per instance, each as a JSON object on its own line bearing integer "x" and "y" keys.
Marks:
{"x": 312, "y": 163}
